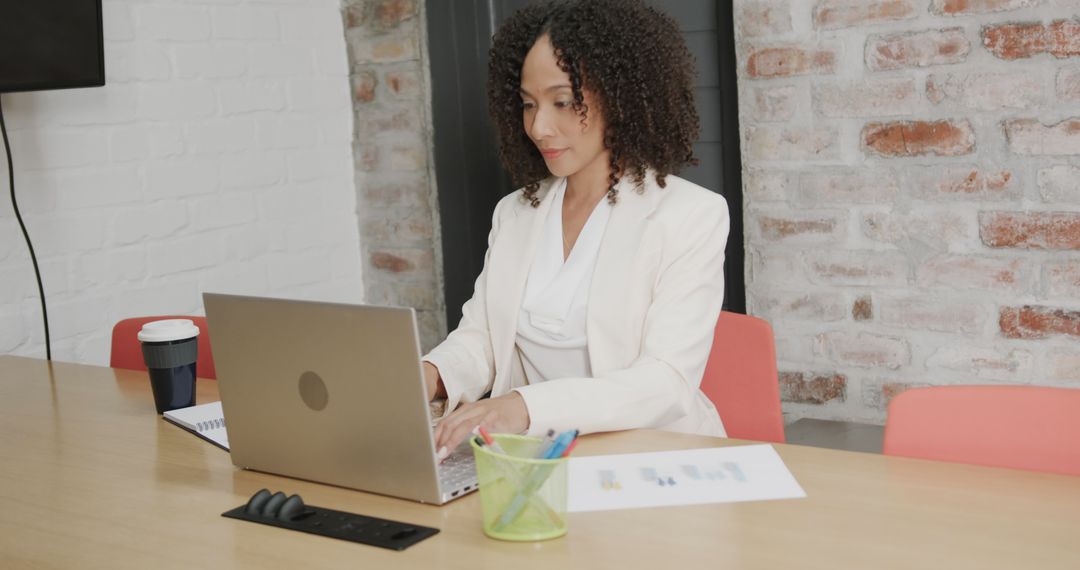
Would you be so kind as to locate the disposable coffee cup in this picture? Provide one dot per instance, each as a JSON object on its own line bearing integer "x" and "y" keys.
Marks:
{"x": 170, "y": 349}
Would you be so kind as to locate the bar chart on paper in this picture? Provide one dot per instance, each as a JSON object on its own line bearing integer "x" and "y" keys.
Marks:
{"x": 687, "y": 477}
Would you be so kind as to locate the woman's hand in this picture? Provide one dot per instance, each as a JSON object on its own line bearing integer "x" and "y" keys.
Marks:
{"x": 433, "y": 382}
{"x": 505, "y": 414}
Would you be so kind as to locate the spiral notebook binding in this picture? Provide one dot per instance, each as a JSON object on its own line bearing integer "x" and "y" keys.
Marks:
{"x": 209, "y": 425}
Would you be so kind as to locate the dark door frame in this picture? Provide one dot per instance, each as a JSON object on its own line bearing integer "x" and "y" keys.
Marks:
{"x": 467, "y": 170}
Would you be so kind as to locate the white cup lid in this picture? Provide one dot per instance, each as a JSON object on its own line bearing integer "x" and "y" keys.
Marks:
{"x": 169, "y": 329}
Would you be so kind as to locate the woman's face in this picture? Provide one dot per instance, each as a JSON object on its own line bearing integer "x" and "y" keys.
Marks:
{"x": 568, "y": 142}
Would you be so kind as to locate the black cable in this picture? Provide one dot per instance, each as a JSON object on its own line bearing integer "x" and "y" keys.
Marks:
{"x": 18, "y": 216}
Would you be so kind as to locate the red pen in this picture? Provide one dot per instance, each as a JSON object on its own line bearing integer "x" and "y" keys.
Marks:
{"x": 494, "y": 445}
{"x": 570, "y": 448}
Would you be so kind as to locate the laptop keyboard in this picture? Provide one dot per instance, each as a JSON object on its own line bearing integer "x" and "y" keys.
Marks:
{"x": 457, "y": 472}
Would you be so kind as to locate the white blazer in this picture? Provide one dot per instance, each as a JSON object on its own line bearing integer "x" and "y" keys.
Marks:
{"x": 655, "y": 296}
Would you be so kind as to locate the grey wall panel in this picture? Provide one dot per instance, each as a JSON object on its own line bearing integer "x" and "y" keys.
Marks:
{"x": 692, "y": 15}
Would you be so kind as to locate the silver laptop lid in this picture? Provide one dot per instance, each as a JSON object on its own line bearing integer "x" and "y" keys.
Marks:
{"x": 326, "y": 392}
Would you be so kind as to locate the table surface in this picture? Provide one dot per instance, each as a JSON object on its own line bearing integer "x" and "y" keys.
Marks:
{"x": 91, "y": 477}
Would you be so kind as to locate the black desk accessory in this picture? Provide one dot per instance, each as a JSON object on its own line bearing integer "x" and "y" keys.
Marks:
{"x": 291, "y": 513}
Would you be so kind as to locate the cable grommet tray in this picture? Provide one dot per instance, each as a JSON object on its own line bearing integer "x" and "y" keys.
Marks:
{"x": 292, "y": 514}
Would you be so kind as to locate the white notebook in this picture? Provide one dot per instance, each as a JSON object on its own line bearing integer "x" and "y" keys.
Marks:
{"x": 205, "y": 420}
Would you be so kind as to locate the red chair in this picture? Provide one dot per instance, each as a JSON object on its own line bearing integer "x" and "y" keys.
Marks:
{"x": 1021, "y": 427}
{"x": 127, "y": 351}
{"x": 740, "y": 378}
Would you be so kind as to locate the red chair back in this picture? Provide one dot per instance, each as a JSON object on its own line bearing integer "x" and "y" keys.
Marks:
{"x": 740, "y": 378}
{"x": 1022, "y": 427}
{"x": 126, "y": 350}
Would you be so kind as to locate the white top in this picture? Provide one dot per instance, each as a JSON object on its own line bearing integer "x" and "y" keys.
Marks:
{"x": 551, "y": 324}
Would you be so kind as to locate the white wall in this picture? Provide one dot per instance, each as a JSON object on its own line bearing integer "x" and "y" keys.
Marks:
{"x": 216, "y": 158}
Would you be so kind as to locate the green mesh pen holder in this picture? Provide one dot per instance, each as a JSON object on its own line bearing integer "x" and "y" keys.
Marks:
{"x": 522, "y": 498}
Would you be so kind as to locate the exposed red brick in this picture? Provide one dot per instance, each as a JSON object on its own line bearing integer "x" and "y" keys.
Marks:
{"x": 809, "y": 388}
{"x": 831, "y": 14}
{"x": 390, "y": 13}
{"x": 779, "y": 228}
{"x": 964, "y": 182}
{"x": 364, "y": 84}
{"x": 1032, "y": 322}
{"x": 1030, "y": 230}
{"x": 919, "y": 138}
{"x": 355, "y": 16}
{"x": 806, "y": 306}
{"x": 980, "y": 273}
{"x": 863, "y": 309}
{"x": 394, "y": 48}
{"x": 916, "y": 49}
{"x": 763, "y": 19}
{"x": 785, "y": 61}
{"x": 390, "y": 262}
{"x": 957, "y": 7}
{"x": 976, "y": 181}
{"x": 857, "y": 268}
{"x": 1060, "y": 39}
{"x": 404, "y": 84}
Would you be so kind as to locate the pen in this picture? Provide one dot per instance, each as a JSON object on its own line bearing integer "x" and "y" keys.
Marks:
{"x": 536, "y": 479}
{"x": 570, "y": 448}
{"x": 545, "y": 445}
{"x": 561, "y": 443}
{"x": 494, "y": 445}
{"x": 509, "y": 473}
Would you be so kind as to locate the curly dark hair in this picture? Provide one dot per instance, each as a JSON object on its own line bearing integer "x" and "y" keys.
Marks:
{"x": 635, "y": 61}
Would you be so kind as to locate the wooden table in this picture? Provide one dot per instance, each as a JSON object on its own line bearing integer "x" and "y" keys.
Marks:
{"x": 91, "y": 477}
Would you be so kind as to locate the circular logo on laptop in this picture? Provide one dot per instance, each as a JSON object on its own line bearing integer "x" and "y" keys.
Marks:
{"x": 313, "y": 391}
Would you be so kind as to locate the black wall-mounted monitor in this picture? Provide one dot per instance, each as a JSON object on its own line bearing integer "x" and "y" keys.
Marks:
{"x": 50, "y": 44}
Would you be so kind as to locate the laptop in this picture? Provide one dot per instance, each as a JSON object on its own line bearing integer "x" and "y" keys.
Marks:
{"x": 332, "y": 393}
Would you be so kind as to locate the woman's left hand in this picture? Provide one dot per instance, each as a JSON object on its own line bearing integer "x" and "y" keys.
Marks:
{"x": 504, "y": 414}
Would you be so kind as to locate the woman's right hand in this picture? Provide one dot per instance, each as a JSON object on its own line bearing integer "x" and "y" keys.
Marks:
{"x": 433, "y": 382}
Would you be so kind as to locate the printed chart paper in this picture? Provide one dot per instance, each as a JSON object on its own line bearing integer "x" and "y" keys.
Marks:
{"x": 686, "y": 477}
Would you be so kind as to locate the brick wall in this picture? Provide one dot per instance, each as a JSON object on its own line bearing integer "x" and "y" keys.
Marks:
{"x": 912, "y": 175}
{"x": 216, "y": 158}
{"x": 401, "y": 247}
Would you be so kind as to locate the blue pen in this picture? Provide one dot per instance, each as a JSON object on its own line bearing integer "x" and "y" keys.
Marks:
{"x": 536, "y": 479}
{"x": 561, "y": 443}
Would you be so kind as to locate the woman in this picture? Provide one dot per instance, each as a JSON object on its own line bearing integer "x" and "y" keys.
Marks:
{"x": 604, "y": 275}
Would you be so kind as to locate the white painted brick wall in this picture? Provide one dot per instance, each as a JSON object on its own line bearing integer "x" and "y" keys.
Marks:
{"x": 216, "y": 158}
